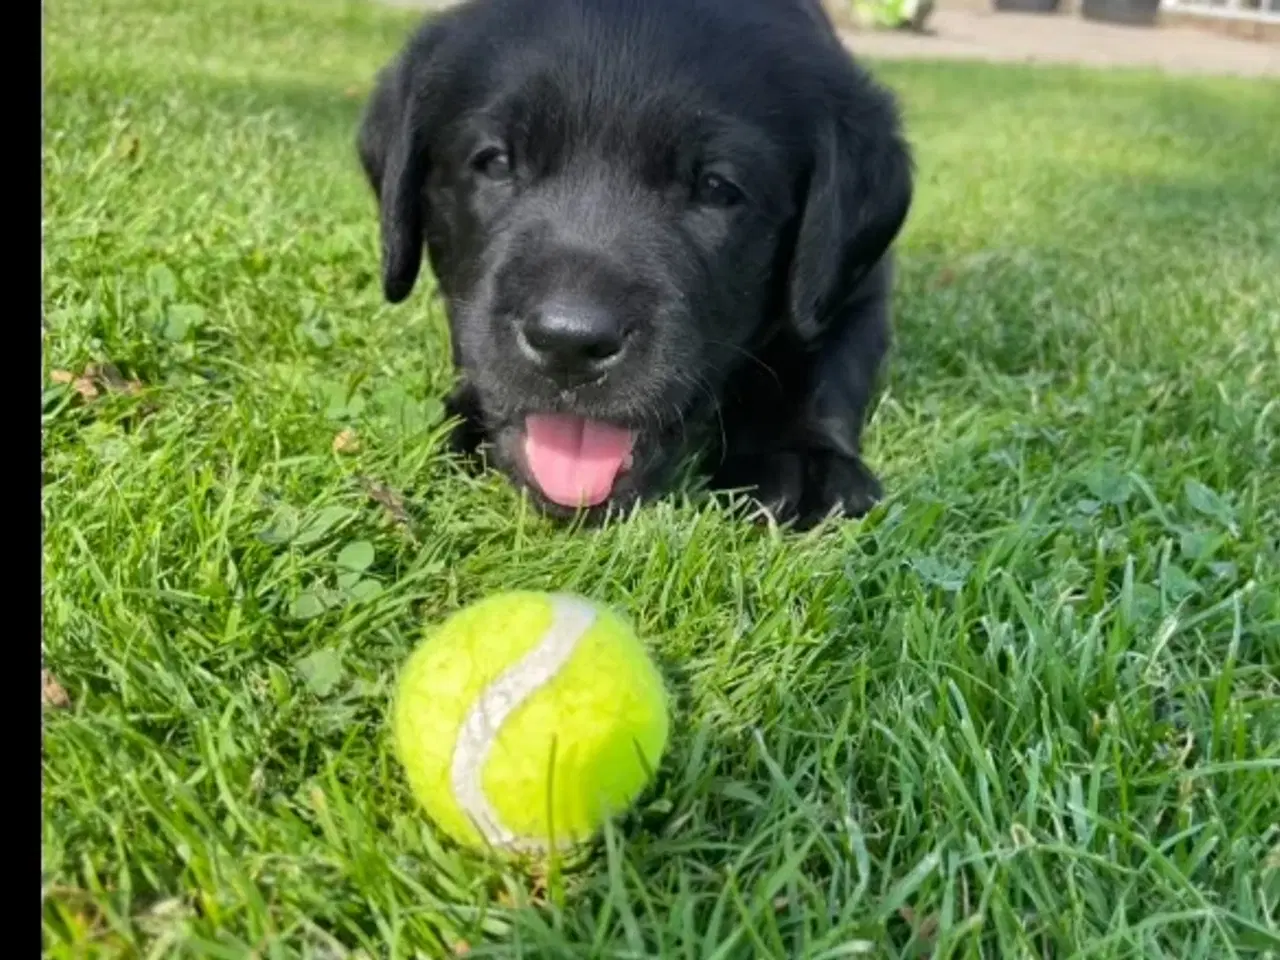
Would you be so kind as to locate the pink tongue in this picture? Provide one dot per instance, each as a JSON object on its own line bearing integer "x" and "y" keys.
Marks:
{"x": 573, "y": 460}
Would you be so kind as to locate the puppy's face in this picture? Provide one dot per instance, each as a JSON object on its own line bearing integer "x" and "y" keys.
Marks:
{"x": 605, "y": 265}
{"x": 611, "y": 197}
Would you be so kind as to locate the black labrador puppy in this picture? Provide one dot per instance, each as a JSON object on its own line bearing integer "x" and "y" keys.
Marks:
{"x": 659, "y": 227}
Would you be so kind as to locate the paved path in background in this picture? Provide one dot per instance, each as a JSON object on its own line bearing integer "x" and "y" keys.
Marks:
{"x": 1063, "y": 39}
{"x": 1029, "y": 38}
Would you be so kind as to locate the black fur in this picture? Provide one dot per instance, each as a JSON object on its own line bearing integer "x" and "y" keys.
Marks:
{"x": 569, "y": 150}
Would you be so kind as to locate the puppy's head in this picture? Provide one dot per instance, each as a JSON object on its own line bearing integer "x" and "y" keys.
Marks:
{"x": 622, "y": 204}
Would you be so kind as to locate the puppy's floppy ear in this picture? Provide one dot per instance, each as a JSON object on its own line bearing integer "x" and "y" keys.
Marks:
{"x": 394, "y": 157}
{"x": 860, "y": 190}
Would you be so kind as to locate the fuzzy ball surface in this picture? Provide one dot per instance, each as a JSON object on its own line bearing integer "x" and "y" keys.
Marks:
{"x": 527, "y": 719}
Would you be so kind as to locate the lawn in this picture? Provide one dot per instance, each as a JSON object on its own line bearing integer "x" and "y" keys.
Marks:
{"x": 1030, "y": 707}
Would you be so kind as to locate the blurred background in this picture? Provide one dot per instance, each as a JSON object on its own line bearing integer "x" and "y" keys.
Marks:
{"x": 1240, "y": 37}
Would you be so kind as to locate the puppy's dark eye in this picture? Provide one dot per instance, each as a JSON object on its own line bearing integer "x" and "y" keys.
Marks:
{"x": 715, "y": 191}
{"x": 493, "y": 162}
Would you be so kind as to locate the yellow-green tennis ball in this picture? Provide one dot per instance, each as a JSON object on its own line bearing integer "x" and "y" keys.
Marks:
{"x": 527, "y": 719}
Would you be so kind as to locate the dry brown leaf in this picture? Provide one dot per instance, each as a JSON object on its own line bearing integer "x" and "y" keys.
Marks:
{"x": 346, "y": 441}
{"x": 926, "y": 928}
{"x": 389, "y": 500}
{"x": 96, "y": 378}
{"x": 52, "y": 693}
{"x": 461, "y": 948}
{"x": 929, "y": 928}
{"x": 944, "y": 278}
{"x": 108, "y": 375}
{"x": 85, "y": 387}
{"x": 538, "y": 885}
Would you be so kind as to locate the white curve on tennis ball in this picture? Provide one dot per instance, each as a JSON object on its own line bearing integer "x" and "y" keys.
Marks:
{"x": 571, "y": 618}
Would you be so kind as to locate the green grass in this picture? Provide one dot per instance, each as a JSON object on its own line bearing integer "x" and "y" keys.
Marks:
{"x": 1029, "y": 708}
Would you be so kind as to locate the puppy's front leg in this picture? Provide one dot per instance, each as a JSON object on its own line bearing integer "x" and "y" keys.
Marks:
{"x": 831, "y": 419}
{"x": 800, "y": 451}
{"x": 802, "y": 486}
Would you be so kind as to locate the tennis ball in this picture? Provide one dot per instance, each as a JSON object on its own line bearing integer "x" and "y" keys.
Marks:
{"x": 525, "y": 720}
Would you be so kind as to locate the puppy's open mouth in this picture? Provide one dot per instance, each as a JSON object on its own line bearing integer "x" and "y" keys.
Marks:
{"x": 574, "y": 461}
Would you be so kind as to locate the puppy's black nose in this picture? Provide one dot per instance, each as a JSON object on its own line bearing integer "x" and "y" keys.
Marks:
{"x": 572, "y": 342}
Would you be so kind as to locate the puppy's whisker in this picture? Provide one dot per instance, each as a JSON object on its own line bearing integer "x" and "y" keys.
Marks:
{"x": 750, "y": 356}
{"x": 701, "y": 383}
{"x": 715, "y": 405}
